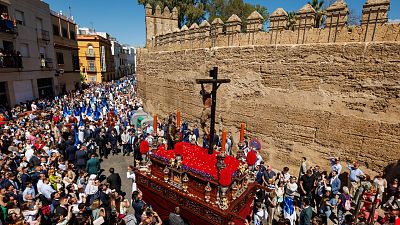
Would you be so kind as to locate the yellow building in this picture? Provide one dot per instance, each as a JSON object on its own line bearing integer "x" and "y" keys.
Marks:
{"x": 96, "y": 60}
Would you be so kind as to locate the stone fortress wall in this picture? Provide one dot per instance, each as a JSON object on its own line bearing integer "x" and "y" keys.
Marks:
{"x": 374, "y": 27}
{"x": 309, "y": 92}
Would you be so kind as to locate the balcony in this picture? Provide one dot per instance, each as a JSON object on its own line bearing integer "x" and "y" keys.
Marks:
{"x": 91, "y": 70}
{"x": 10, "y": 61}
{"x": 8, "y": 26}
{"x": 46, "y": 63}
{"x": 44, "y": 35}
{"x": 90, "y": 54}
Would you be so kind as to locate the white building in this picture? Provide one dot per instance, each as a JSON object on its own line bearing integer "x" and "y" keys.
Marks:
{"x": 130, "y": 59}
{"x": 27, "y": 52}
{"x": 124, "y": 57}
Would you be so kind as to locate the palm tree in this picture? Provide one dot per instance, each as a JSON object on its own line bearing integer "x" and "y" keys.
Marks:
{"x": 291, "y": 21}
{"x": 318, "y": 5}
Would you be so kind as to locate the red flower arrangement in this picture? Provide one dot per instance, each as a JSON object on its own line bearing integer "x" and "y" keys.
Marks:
{"x": 144, "y": 147}
{"x": 251, "y": 158}
{"x": 178, "y": 148}
{"x": 161, "y": 147}
{"x": 225, "y": 178}
{"x": 197, "y": 158}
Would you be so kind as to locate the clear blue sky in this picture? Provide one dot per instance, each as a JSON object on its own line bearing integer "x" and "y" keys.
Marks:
{"x": 124, "y": 19}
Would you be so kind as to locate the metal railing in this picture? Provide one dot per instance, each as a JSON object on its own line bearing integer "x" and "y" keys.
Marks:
{"x": 46, "y": 63}
{"x": 44, "y": 35}
{"x": 90, "y": 54}
{"x": 10, "y": 61}
{"x": 8, "y": 26}
{"x": 91, "y": 69}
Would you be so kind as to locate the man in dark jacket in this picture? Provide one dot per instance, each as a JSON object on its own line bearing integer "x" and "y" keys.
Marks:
{"x": 113, "y": 140}
{"x": 34, "y": 160}
{"x": 114, "y": 180}
{"x": 81, "y": 158}
{"x": 70, "y": 152}
{"x": 101, "y": 142}
{"x": 93, "y": 165}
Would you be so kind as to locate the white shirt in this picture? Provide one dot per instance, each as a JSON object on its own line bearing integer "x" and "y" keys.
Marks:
{"x": 29, "y": 154}
{"x": 39, "y": 186}
{"x": 47, "y": 190}
{"x": 259, "y": 159}
{"x": 192, "y": 139}
{"x": 124, "y": 138}
{"x": 131, "y": 175}
{"x": 261, "y": 215}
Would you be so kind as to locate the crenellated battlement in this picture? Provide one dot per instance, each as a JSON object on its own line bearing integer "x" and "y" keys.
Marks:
{"x": 159, "y": 23}
{"x": 163, "y": 32}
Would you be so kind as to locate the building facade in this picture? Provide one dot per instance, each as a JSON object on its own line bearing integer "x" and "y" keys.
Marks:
{"x": 122, "y": 58}
{"x": 26, "y": 52}
{"x": 95, "y": 57}
{"x": 66, "y": 52}
{"x": 130, "y": 59}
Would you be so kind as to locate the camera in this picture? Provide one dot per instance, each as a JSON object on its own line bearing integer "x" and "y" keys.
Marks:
{"x": 149, "y": 212}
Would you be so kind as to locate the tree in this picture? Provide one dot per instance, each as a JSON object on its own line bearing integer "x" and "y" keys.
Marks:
{"x": 189, "y": 11}
{"x": 291, "y": 21}
{"x": 224, "y": 9}
{"x": 194, "y": 11}
{"x": 319, "y": 7}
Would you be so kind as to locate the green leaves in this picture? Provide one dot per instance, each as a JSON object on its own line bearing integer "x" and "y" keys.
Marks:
{"x": 190, "y": 11}
{"x": 194, "y": 11}
{"x": 226, "y": 8}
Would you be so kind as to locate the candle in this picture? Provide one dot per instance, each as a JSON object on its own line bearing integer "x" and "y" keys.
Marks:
{"x": 223, "y": 143}
{"x": 155, "y": 124}
{"x": 242, "y": 132}
{"x": 178, "y": 120}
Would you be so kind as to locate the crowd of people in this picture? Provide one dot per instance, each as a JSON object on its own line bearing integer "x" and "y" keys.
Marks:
{"x": 319, "y": 197}
{"x": 50, "y": 171}
{"x": 50, "y": 168}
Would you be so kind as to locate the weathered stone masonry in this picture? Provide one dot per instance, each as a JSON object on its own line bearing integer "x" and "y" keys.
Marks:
{"x": 316, "y": 100}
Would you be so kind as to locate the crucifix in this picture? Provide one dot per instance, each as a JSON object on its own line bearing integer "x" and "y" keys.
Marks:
{"x": 215, "y": 85}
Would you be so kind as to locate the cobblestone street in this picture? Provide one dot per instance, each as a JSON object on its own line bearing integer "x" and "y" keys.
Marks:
{"x": 120, "y": 164}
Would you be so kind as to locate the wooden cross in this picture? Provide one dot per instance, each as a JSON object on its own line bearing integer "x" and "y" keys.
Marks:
{"x": 215, "y": 85}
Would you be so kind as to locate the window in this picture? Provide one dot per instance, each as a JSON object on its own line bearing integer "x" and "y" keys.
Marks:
{"x": 91, "y": 66}
{"x": 90, "y": 50}
{"x": 56, "y": 30}
{"x": 42, "y": 52}
{"x": 39, "y": 24}
{"x": 19, "y": 17}
{"x": 75, "y": 62}
{"x": 60, "y": 58}
{"x": 3, "y": 94}
{"x": 24, "y": 49}
{"x": 72, "y": 34}
{"x": 65, "y": 32}
{"x": 8, "y": 46}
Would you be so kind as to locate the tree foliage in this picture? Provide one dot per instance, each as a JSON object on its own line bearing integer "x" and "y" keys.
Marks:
{"x": 225, "y": 8}
{"x": 319, "y": 7}
{"x": 191, "y": 11}
{"x": 291, "y": 21}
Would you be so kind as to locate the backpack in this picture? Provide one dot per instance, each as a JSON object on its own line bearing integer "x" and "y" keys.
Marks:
{"x": 347, "y": 203}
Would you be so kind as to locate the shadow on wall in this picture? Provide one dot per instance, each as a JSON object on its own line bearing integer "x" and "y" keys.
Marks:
{"x": 392, "y": 171}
